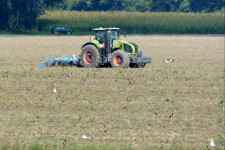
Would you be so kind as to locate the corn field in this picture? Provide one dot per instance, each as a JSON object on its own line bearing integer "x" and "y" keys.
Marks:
{"x": 83, "y": 22}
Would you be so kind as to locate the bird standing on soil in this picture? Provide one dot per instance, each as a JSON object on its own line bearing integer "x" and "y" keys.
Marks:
{"x": 146, "y": 81}
{"x": 27, "y": 100}
{"x": 64, "y": 142}
{"x": 156, "y": 112}
{"x": 211, "y": 143}
{"x": 86, "y": 137}
{"x": 171, "y": 115}
{"x": 128, "y": 99}
{"x": 169, "y": 61}
{"x": 105, "y": 129}
{"x": 82, "y": 80}
{"x": 167, "y": 99}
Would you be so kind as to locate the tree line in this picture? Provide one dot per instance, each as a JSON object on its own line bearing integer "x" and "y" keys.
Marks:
{"x": 24, "y": 13}
{"x": 143, "y": 5}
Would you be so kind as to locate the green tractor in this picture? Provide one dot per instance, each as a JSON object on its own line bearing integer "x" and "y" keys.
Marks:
{"x": 105, "y": 49}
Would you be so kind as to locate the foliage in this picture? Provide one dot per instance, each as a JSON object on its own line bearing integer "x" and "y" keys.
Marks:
{"x": 132, "y": 22}
{"x": 144, "y": 5}
{"x": 22, "y": 13}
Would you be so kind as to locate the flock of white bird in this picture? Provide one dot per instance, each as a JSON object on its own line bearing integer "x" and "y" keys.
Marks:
{"x": 211, "y": 143}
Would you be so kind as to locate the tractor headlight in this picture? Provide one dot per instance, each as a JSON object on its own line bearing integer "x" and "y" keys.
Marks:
{"x": 102, "y": 45}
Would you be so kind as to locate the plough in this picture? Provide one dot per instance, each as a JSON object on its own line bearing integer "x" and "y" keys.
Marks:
{"x": 63, "y": 61}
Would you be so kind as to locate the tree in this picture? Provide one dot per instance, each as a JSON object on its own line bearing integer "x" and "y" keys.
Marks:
{"x": 185, "y": 6}
{"x": 4, "y": 11}
{"x": 160, "y": 5}
{"x": 206, "y": 5}
{"x": 142, "y": 5}
{"x": 22, "y": 13}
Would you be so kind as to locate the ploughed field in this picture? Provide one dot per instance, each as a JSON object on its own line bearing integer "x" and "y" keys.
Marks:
{"x": 87, "y": 99}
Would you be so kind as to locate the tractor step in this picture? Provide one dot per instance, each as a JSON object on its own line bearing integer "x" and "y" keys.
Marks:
{"x": 54, "y": 61}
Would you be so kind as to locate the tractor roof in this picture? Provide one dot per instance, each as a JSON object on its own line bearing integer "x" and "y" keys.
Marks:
{"x": 105, "y": 29}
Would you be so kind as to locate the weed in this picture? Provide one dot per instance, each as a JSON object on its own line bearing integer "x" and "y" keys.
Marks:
{"x": 221, "y": 103}
{"x": 36, "y": 147}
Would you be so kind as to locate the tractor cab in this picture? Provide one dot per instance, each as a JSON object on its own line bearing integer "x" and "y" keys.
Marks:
{"x": 106, "y": 36}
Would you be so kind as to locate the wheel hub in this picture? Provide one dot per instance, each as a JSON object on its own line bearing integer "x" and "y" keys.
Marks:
{"x": 88, "y": 57}
{"x": 117, "y": 60}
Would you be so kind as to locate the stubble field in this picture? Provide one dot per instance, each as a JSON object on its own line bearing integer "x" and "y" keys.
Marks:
{"x": 87, "y": 99}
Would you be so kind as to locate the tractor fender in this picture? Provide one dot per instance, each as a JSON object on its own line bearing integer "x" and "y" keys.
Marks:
{"x": 91, "y": 43}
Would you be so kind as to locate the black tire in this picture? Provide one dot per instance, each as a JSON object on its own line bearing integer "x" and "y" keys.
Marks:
{"x": 120, "y": 59}
{"x": 90, "y": 56}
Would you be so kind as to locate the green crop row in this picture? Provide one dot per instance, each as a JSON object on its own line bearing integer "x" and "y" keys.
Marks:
{"x": 135, "y": 22}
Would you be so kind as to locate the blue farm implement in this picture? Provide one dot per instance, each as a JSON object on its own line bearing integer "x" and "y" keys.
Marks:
{"x": 63, "y": 61}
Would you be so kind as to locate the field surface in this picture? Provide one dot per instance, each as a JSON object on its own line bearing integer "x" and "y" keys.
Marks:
{"x": 87, "y": 99}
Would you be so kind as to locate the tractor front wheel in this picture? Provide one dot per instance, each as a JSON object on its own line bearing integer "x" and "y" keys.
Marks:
{"x": 120, "y": 59}
{"x": 90, "y": 56}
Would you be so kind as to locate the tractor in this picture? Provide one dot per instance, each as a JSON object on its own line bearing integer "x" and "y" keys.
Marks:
{"x": 105, "y": 49}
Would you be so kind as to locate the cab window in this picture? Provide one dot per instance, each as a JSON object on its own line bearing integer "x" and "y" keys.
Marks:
{"x": 101, "y": 36}
{"x": 113, "y": 35}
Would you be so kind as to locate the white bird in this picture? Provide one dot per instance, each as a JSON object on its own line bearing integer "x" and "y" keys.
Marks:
{"x": 105, "y": 129}
{"x": 211, "y": 143}
{"x": 169, "y": 60}
{"x": 86, "y": 137}
{"x": 54, "y": 90}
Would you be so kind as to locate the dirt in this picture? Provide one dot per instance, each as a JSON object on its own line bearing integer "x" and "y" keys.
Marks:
{"x": 91, "y": 98}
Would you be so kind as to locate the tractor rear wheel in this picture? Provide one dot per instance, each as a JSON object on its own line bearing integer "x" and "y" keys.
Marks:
{"x": 120, "y": 59}
{"x": 90, "y": 56}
